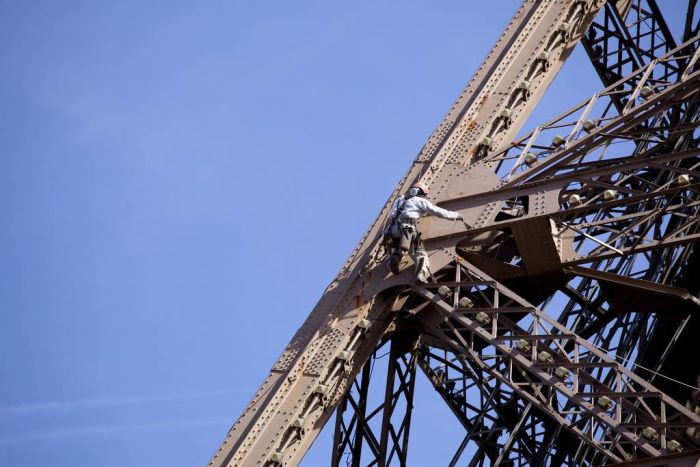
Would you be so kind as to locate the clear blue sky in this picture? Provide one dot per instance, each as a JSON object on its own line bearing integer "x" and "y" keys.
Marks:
{"x": 180, "y": 181}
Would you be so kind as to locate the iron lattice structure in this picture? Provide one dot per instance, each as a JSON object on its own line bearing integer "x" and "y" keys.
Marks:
{"x": 564, "y": 310}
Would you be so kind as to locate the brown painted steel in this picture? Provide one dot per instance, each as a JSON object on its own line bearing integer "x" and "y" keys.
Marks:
{"x": 536, "y": 213}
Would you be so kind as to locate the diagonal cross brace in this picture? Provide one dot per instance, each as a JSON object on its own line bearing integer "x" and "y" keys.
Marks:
{"x": 632, "y": 396}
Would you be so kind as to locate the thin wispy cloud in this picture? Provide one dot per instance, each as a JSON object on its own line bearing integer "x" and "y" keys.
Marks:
{"x": 103, "y": 430}
{"x": 97, "y": 402}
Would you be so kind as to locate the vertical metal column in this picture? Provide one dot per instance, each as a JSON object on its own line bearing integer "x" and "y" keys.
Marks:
{"x": 383, "y": 427}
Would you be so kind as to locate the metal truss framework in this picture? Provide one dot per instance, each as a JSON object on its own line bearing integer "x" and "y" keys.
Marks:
{"x": 391, "y": 418}
{"x": 556, "y": 306}
{"x": 558, "y": 372}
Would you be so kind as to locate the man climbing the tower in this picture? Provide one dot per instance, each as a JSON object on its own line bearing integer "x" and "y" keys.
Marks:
{"x": 402, "y": 231}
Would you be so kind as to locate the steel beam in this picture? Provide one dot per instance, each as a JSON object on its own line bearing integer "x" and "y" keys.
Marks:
{"x": 616, "y": 192}
{"x": 534, "y": 45}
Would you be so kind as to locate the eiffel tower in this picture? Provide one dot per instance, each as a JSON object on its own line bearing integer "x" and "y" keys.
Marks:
{"x": 560, "y": 327}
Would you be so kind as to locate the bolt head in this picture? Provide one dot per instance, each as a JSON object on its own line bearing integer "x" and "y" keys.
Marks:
{"x": 646, "y": 91}
{"x": 674, "y": 446}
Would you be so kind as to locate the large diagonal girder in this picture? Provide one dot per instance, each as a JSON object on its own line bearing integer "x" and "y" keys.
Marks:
{"x": 603, "y": 169}
{"x": 532, "y": 48}
{"x": 648, "y": 130}
{"x": 593, "y": 214}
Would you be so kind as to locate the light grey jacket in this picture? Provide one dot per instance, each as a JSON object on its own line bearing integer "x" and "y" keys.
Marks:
{"x": 417, "y": 207}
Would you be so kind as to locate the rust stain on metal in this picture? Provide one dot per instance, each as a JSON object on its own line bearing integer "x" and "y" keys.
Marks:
{"x": 513, "y": 240}
{"x": 484, "y": 101}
